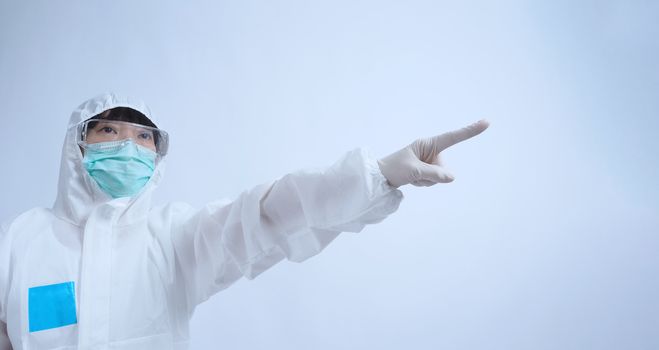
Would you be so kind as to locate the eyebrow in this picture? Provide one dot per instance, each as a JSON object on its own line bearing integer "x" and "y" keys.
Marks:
{"x": 104, "y": 122}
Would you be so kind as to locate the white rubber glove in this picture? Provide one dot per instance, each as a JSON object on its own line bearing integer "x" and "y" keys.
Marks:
{"x": 419, "y": 163}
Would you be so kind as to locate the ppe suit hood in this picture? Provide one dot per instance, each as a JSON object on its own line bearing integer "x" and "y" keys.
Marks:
{"x": 78, "y": 194}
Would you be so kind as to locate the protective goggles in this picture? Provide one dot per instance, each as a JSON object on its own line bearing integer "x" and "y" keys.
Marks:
{"x": 94, "y": 131}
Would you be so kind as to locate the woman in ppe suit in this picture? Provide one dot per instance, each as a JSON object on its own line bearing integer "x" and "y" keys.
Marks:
{"x": 103, "y": 269}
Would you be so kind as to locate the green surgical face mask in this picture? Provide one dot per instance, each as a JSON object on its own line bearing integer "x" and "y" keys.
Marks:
{"x": 120, "y": 168}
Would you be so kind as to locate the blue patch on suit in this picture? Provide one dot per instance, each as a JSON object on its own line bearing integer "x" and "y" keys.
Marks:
{"x": 52, "y": 306}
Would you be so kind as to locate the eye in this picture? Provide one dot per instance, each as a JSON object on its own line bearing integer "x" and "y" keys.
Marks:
{"x": 145, "y": 136}
{"x": 107, "y": 130}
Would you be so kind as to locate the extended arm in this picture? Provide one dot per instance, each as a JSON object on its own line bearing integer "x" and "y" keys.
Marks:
{"x": 300, "y": 214}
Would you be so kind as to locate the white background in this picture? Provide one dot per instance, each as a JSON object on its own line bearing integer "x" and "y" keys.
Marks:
{"x": 548, "y": 238}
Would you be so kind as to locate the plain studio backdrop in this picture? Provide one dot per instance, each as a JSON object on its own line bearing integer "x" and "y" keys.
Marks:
{"x": 547, "y": 239}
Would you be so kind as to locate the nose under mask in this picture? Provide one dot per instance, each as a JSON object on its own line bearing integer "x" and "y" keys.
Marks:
{"x": 120, "y": 168}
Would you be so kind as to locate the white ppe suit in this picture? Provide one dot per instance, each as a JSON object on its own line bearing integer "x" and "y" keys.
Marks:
{"x": 98, "y": 273}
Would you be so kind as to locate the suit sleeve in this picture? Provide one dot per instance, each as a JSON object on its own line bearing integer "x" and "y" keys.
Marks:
{"x": 4, "y": 265}
{"x": 4, "y": 339}
{"x": 292, "y": 218}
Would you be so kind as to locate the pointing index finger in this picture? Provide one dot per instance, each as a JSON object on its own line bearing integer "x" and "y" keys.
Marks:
{"x": 448, "y": 139}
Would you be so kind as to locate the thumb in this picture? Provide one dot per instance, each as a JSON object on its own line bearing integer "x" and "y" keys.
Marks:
{"x": 430, "y": 173}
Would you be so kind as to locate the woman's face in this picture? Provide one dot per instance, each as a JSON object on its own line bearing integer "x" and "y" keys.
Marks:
{"x": 109, "y": 130}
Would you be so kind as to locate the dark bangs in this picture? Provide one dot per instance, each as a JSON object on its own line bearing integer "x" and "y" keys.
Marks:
{"x": 124, "y": 114}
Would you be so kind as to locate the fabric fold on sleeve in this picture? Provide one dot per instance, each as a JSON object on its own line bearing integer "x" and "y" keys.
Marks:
{"x": 292, "y": 218}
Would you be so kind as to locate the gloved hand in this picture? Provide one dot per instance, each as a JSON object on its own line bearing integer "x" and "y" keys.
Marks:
{"x": 419, "y": 163}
